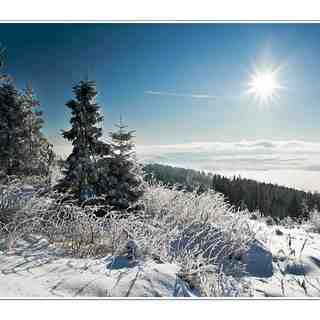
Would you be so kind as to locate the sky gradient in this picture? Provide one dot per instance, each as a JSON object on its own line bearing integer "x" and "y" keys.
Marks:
{"x": 184, "y": 84}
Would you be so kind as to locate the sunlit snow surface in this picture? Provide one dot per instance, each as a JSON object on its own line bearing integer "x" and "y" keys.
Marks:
{"x": 36, "y": 269}
{"x": 295, "y": 262}
{"x": 277, "y": 265}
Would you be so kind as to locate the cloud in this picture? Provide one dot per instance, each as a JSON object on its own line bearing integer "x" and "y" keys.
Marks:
{"x": 244, "y": 155}
{"x": 293, "y": 163}
{"x": 262, "y": 155}
{"x": 183, "y": 95}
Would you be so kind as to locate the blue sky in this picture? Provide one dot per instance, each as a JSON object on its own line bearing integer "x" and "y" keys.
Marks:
{"x": 127, "y": 60}
{"x": 174, "y": 83}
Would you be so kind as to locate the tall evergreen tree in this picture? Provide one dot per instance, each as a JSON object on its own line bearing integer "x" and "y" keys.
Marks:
{"x": 3, "y": 77}
{"x": 23, "y": 148}
{"x": 12, "y": 131}
{"x": 38, "y": 151}
{"x": 124, "y": 179}
{"x": 81, "y": 171}
{"x": 33, "y": 117}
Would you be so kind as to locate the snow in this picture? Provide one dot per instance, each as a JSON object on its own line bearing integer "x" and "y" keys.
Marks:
{"x": 295, "y": 262}
{"x": 34, "y": 268}
{"x": 282, "y": 261}
{"x": 276, "y": 265}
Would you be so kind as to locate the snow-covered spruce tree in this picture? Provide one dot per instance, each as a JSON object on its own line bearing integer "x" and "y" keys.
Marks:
{"x": 124, "y": 179}
{"x": 23, "y": 148}
{"x": 81, "y": 171}
{"x": 12, "y": 130}
{"x": 38, "y": 151}
{"x": 3, "y": 77}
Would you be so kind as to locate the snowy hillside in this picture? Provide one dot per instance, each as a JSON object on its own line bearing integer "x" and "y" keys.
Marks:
{"x": 182, "y": 245}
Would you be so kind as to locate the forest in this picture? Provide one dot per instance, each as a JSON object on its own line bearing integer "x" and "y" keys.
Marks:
{"x": 270, "y": 199}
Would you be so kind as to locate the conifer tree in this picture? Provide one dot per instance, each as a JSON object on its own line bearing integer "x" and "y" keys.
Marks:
{"x": 125, "y": 179}
{"x": 295, "y": 207}
{"x": 3, "y": 77}
{"x": 81, "y": 171}
{"x": 38, "y": 151}
{"x": 12, "y": 131}
{"x": 23, "y": 148}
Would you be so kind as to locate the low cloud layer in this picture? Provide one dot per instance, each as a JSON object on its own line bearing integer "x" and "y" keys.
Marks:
{"x": 293, "y": 163}
{"x": 245, "y": 155}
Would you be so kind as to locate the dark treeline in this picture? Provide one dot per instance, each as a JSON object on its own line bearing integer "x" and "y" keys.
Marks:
{"x": 270, "y": 199}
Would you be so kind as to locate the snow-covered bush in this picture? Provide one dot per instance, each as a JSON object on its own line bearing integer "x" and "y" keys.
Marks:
{"x": 14, "y": 194}
{"x": 219, "y": 284}
{"x": 170, "y": 217}
{"x": 64, "y": 224}
{"x": 288, "y": 222}
{"x": 253, "y": 217}
{"x": 186, "y": 207}
{"x": 269, "y": 221}
{"x": 190, "y": 230}
{"x": 256, "y": 215}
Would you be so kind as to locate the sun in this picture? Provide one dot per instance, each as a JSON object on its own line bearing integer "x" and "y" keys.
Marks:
{"x": 264, "y": 85}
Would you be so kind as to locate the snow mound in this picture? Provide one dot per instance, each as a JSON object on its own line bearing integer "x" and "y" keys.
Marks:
{"x": 258, "y": 261}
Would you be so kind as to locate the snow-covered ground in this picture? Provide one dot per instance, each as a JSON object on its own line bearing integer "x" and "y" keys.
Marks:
{"x": 281, "y": 262}
{"x": 36, "y": 269}
{"x": 284, "y": 262}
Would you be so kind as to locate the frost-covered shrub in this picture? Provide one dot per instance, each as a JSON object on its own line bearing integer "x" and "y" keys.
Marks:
{"x": 176, "y": 226}
{"x": 193, "y": 231}
{"x": 208, "y": 207}
{"x": 14, "y": 194}
{"x": 64, "y": 224}
{"x": 218, "y": 284}
{"x": 256, "y": 215}
{"x": 253, "y": 217}
{"x": 270, "y": 221}
{"x": 287, "y": 222}
{"x": 190, "y": 228}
